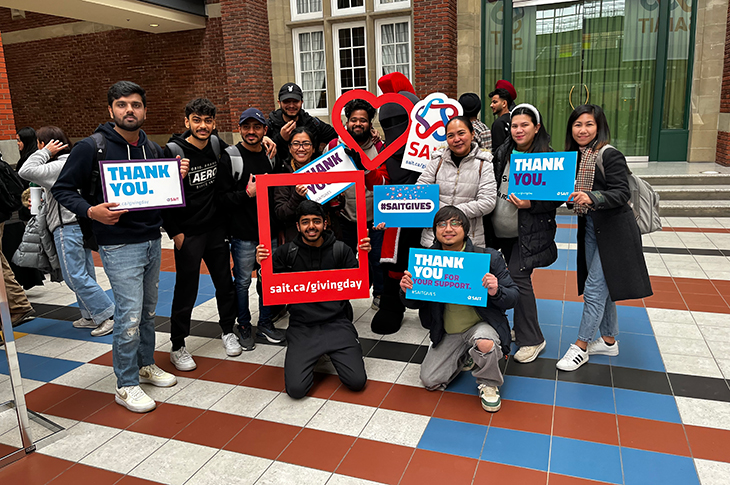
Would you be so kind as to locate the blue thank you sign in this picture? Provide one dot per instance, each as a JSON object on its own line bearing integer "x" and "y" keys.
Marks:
{"x": 405, "y": 205}
{"x": 542, "y": 176}
{"x": 448, "y": 276}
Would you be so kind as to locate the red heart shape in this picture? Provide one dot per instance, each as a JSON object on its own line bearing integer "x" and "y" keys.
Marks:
{"x": 377, "y": 102}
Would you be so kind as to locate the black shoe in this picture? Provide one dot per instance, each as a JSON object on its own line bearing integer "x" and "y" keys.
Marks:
{"x": 246, "y": 339}
{"x": 386, "y": 322}
{"x": 21, "y": 318}
{"x": 270, "y": 332}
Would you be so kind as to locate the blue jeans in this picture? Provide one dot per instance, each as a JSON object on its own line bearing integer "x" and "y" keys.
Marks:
{"x": 244, "y": 262}
{"x": 134, "y": 273}
{"x": 77, "y": 267}
{"x": 599, "y": 312}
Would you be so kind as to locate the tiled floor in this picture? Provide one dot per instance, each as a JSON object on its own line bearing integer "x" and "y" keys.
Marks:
{"x": 657, "y": 414}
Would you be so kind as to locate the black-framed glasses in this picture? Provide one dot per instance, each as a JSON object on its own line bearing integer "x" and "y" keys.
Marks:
{"x": 301, "y": 144}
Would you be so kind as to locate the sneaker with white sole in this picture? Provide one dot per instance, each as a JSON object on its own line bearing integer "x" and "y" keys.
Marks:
{"x": 528, "y": 353}
{"x": 134, "y": 399}
{"x": 490, "y": 398}
{"x": 468, "y": 364}
{"x": 270, "y": 333}
{"x": 151, "y": 374}
{"x": 600, "y": 347}
{"x": 230, "y": 343}
{"x": 84, "y": 323}
{"x": 246, "y": 339}
{"x": 573, "y": 358}
{"x": 105, "y": 328}
{"x": 182, "y": 360}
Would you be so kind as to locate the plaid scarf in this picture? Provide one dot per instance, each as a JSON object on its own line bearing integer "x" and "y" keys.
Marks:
{"x": 586, "y": 173}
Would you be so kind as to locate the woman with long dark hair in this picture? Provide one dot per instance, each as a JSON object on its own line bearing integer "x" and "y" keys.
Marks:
{"x": 611, "y": 264}
{"x": 27, "y": 145}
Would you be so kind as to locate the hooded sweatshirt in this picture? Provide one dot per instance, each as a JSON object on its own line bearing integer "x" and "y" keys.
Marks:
{"x": 132, "y": 227}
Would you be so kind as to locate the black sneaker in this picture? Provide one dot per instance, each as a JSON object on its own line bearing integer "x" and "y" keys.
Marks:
{"x": 270, "y": 332}
{"x": 246, "y": 338}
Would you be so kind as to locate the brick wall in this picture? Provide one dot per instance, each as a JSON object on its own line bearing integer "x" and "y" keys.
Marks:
{"x": 7, "y": 122}
{"x": 32, "y": 20}
{"x": 435, "y": 41}
{"x": 722, "y": 155}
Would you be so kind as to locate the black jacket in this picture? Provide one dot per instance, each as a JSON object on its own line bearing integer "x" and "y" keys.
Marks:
{"x": 199, "y": 214}
{"x": 132, "y": 227}
{"x": 432, "y": 313}
{"x": 617, "y": 235}
{"x": 310, "y": 258}
{"x": 323, "y": 133}
{"x": 536, "y": 226}
{"x": 286, "y": 201}
{"x": 500, "y": 131}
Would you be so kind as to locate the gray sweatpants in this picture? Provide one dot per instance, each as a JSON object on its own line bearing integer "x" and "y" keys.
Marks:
{"x": 444, "y": 362}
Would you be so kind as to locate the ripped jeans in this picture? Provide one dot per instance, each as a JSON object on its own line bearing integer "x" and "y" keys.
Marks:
{"x": 134, "y": 274}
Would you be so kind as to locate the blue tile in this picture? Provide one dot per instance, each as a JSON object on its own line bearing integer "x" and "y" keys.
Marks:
{"x": 633, "y": 319}
{"x": 562, "y": 262}
{"x": 552, "y": 340}
{"x": 517, "y": 448}
{"x": 63, "y": 329}
{"x": 572, "y": 314}
{"x": 202, "y": 298}
{"x": 647, "y": 405}
{"x": 583, "y": 459}
{"x": 643, "y": 467}
{"x": 585, "y": 396}
{"x": 550, "y": 312}
{"x": 464, "y": 384}
{"x": 38, "y": 367}
{"x": 638, "y": 352}
{"x": 566, "y": 219}
{"x": 528, "y": 389}
{"x": 565, "y": 235}
{"x": 453, "y": 437}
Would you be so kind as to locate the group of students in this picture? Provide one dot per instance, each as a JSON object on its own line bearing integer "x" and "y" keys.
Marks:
{"x": 220, "y": 219}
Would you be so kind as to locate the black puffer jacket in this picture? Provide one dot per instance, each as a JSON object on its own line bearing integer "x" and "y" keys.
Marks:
{"x": 536, "y": 225}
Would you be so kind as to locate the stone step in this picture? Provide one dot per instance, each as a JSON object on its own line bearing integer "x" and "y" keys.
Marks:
{"x": 687, "y": 179}
{"x": 693, "y": 192}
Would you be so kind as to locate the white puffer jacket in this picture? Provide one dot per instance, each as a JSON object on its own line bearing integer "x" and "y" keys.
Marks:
{"x": 464, "y": 187}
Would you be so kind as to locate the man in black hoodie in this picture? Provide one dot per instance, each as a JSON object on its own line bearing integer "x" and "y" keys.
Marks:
{"x": 322, "y": 328}
{"x": 129, "y": 242}
{"x": 199, "y": 233}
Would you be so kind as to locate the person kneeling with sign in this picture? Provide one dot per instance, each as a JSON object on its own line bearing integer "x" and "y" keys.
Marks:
{"x": 321, "y": 328}
{"x": 466, "y": 337}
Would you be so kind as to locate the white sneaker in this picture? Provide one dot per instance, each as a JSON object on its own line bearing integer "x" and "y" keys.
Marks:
{"x": 529, "y": 353}
{"x": 84, "y": 323}
{"x": 230, "y": 343}
{"x": 573, "y": 358}
{"x": 182, "y": 360}
{"x": 490, "y": 398}
{"x": 106, "y": 327}
{"x": 599, "y": 347}
{"x": 135, "y": 399}
{"x": 151, "y": 374}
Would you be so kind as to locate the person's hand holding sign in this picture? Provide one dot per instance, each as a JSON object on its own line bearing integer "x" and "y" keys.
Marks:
{"x": 251, "y": 186}
{"x": 380, "y": 227}
{"x": 301, "y": 190}
{"x": 261, "y": 253}
{"x": 103, "y": 213}
{"x": 580, "y": 198}
{"x": 521, "y": 204}
{"x": 406, "y": 283}
{"x": 365, "y": 244}
{"x": 491, "y": 283}
{"x": 184, "y": 167}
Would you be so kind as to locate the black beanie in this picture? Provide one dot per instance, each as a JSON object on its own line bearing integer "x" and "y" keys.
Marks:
{"x": 471, "y": 103}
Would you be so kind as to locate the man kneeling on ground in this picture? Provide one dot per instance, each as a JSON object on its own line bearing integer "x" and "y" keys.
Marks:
{"x": 321, "y": 328}
{"x": 466, "y": 337}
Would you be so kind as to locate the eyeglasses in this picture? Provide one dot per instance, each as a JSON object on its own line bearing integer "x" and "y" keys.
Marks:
{"x": 452, "y": 223}
{"x": 301, "y": 144}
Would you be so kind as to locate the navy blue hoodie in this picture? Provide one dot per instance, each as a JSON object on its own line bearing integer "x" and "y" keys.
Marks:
{"x": 132, "y": 227}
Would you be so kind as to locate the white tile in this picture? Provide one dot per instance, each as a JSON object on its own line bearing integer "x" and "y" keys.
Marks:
{"x": 231, "y": 468}
{"x": 296, "y": 412}
{"x": 342, "y": 418}
{"x": 203, "y": 312}
{"x": 677, "y": 330}
{"x": 213, "y": 349}
{"x": 55, "y": 347}
{"x": 363, "y": 329}
{"x": 80, "y": 440}
{"x": 124, "y": 452}
{"x": 345, "y": 480}
{"x": 411, "y": 376}
{"x": 383, "y": 369}
{"x": 174, "y": 462}
{"x": 713, "y": 472}
{"x": 717, "y": 275}
{"x": 260, "y": 355}
{"x": 277, "y": 360}
{"x": 724, "y": 365}
{"x": 84, "y": 376}
{"x": 702, "y": 412}
{"x": 687, "y": 272}
{"x": 672, "y": 345}
{"x": 164, "y": 394}
{"x": 6, "y": 393}
{"x": 396, "y": 427}
{"x": 719, "y": 349}
{"x": 708, "y": 318}
{"x": 690, "y": 365}
{"x": 712, "y": 333}
{"x": 408, "y": 335}
{"x": 201, "y": 394}
{"x": 27, "y": 342}
{"x": 86, "y": 352}
{"x": 280, "y": 473}
{"x": 670, "y": 316}
{"x": 245, "y": 401}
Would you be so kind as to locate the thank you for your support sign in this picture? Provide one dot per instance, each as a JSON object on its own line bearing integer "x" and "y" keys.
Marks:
{"x": 142, "y": 184}
{"x": 542, "y": 176}
{"x": 405, "y": 205}
{"x": 335, "y": 160}
{"x": 448, "y": 276}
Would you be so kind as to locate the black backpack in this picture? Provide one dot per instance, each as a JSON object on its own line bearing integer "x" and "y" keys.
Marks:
{"x": 11, "y": 189}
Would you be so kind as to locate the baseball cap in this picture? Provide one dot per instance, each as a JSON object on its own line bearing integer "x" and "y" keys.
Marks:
{"x": 252, "y": 113}
{"x": 290, "y": 91}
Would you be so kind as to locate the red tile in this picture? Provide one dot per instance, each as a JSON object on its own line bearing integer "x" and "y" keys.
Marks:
{"x": 661, "y": 283}
{"x": 571, "y": 423}
{"x": 213, "y": 429}
{"x": 87, "y": 474}
{"x": 376, "y": 461}
{"x": 6, "y": 449}
{"x": 524, "y": 416}
{"x": 34, "y": 469}
{"x": 709, "y": 443}
{"x": 371, "y": 395}
{"x": 556, "y": 479}
{"x": 205, "y": 364}
{"x": 489, "y": 473}
{"x": 230, "y": 372}
{"x": 693, "y": 285}
{"x": 106, "y": 359}
{"x": 462, "y": 407}
{"x": 263, "y": 438}
{"x": 411, "y": 399}
{"x": 429, "y": 467}
{"x": 317, "y": 449}
{"x": 324, "y": 385}
{"x": 266, "y": 377}
{"x": 114, "y": 416}
{"x": 649, "y": 435}
{"x": 48, "y": 395}
{"x": 166, "y": 421}
{"x": 81, "y": 405}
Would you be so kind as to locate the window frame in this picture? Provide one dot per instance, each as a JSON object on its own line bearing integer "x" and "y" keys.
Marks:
{"x": 295, "y": 15}
{"x": 379, "y": 44}
{"x": 338, "y": 12}
{"x": 336, "y": 52}
{"x": 298, "y": 66}
{"x": 382, "y": 7}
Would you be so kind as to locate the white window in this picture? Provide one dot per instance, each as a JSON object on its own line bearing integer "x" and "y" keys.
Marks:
{"x": 310, "y": 66}
{"x": 391, "y": 4}
{"x": 347, "y": 7}
{"x": 393, "y": 44}
{"x": 306, "y": 9}
{"x": 351, "y": 68}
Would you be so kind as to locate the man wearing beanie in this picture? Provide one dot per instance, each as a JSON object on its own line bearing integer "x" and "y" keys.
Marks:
{"x": 472, "y": 106}
{"x": 503, "y": 98}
